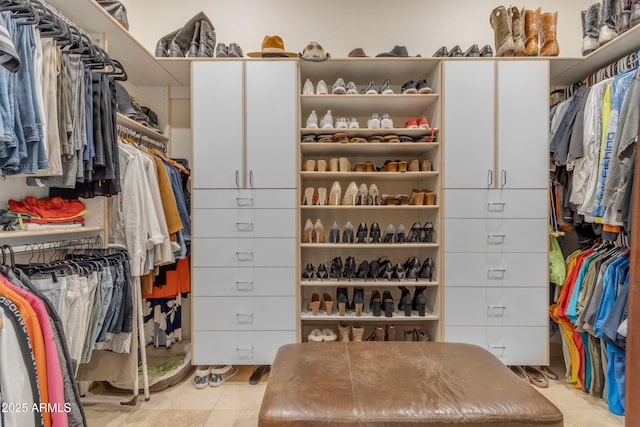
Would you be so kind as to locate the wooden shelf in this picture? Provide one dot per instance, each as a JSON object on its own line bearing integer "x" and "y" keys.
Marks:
{"x": 364, "y": 132}
{"x": 144, "y": 130}
{"x": 57, "y": 232}
{"x": 369, "y": 245}
{"x": 366, "y": 317}
{"x": 379, "y": 207}
{"x": 382, "y": 176}
{"x": 365, "y": 105}
{"x": 380, "y": 283}
{"x": 370, "y": 148}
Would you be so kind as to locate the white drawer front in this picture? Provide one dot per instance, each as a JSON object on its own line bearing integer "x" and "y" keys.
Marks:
{"x": 496, "y": 306}
{"x": 244, "y": 199}
{"x": 496, "y": 235}
{"x": 244, "y": 313}
{"x": 515, "y": 345}
{"x": 239, "y": 347}
{"x": 244, "y": 222}
{"x": 231, "y": 282}
{"x": 496, "y": 269}
{"x": 495, "y": 203}
{"x": 228, "y": 252}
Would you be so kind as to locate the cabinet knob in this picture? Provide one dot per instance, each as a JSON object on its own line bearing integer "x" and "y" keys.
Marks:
{"x": 496, "y": 239}
{"x": 244, "y": 201}
{"x": 244, "y": 226}
{"x": 244, "y": 286}
{"x": 244, "y": 317}
{"x": 496, "y": 207}
{"x": 244, "y": 255}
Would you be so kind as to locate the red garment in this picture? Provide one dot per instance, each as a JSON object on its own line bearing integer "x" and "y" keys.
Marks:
{"x": 178, "y": 281}
{"x": 49, "y": 209}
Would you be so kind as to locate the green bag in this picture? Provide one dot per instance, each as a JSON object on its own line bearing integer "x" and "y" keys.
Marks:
{"x": 557, "y": 267}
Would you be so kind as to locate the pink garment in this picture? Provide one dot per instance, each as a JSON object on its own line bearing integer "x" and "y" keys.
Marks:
{"x": 55, "y": 383}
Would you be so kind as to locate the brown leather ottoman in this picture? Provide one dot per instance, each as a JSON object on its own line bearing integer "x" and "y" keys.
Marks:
{"x": 398, "y": 384}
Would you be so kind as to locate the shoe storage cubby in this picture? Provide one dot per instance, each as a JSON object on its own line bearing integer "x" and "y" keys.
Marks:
{"x": 370, "y": 213}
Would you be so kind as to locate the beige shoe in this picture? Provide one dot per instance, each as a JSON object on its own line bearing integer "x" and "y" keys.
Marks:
{"x": 358, "y": 332}
{"x": 310, "y": 165}
{"x": 517, "y": 30}
{"x": 334, "y": 165}
{"x": 501, "y": 24}
{"x": 307, "y": 196}
{"x": 363, "y": 195}
{"x": 322, "y": 196}
{"x": 327, "y": 303}
{"x": 344, "y": 331}
{"x": 335, "y": 194}
{"x": 374, "y": 195}
{"x": 322, "y": 165}
{"x": 344, "y": 164}
{"x": 318, "y": 231}
{"x": 314, "y": 304}
{"x": 315, "y": 336}
{"x": 329, "y": 335}
{"x": 307, "y": 234}
{"x": 350, "y": 195}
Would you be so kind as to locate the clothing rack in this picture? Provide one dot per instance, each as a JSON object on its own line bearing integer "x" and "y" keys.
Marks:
{"x": 145, "y": 140}
{"x": 626, "y": 63}
{"x": 85, "y": 243}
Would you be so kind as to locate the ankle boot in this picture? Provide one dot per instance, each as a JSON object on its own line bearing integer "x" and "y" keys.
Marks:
{"x": 358, "y": 300}
{"x": 376, "y": 304}
{"x": 378, "y": 333}
{"x": 415, "y": 302}
{"x": 344, "y": 330}
{"x": 405, "y": 301}
{"x": 608, "y": 22}
{"x": 358, "y": 332}
{"x": 501, "y": 24}
{"x": 548, "y": 42}
{"x": 590, "y": 28}
{"x": 391, "y": 332}
{"x": 343, "y": 300}
{"x": 625, "y": 15}
{"x": 517, "y": 30}
{"x": 635, "y": 12}
{"x": 531, "y": 31}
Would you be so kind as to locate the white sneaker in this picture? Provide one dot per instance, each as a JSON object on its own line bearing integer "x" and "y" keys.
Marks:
{"x": 352, "y": 89}
{"x": 220, "y": 375}
{"x": 386, "y": 122}
{"x": 374, "y": 121}
{"x": 312, "y": 120}
{"x": 354, "y": 124}
{"x": 327, "y": 121}
{"x": 339, "y": 87}
{"x": 308, "y": 89}
{"x": 321, "y": 88}
{"x": 386, "y": 88}
{"x": 371, "y": 89}
{"x": 341, "y": 123}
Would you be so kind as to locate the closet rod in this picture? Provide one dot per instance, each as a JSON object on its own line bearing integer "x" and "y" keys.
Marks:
{"x": 144, "y": 139}
{"x": 88, "y": 243}
{"x": 626, "y": 63}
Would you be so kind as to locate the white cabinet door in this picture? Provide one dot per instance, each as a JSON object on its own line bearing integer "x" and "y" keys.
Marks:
{"x": 463, "y": 203}
{"x": 271, "y": 94}
{"x": 217, "y": 111}
{"x": 469, "y": 104}
{"x": 523, "y": 124}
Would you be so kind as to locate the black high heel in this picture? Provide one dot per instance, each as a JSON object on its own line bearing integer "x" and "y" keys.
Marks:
{"x": 334, "y": 233}
{"x": 389, "y": 233}
{"x": 405, "y": 301}
{"x": 322, "y": 272}
{"x": 411, "y": 267}
{"x": 419, "y": 291}
{"x": 398, "y": 271}
{"x": 414, "y": 233}
{"x": 388, "y": 271}
{"x": 349, "y": 268}
{"x": 374, "y": 270}
{"x": 358, "y": 300}
{"x": 361, "y": 235}
{"x": 363, "y": 270}
{"x": 374, "y": 233}
{"x": 376, "y": 304}
{"x": 401, "y": 234}
{"x": 387, "y": 303}
{"x": 336, "y": 268}
{"x": 420, "y": 301}
{"x": 347, "y": 234}
{"x": 343, "y": 300}
{"x": 426, "y": 271}
{"x": 308, "y": 272}
{"x": 427, "y": 233}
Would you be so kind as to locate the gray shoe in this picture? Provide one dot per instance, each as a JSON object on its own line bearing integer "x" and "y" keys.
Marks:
{"x": 235, "y": 51}
{"x": 222, "y": 51}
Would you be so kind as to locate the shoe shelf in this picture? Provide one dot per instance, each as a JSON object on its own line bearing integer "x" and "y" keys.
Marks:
{"x": 381, "y": 283}
{"x": 367, "y": 207}
{"x": 364, "y": 105}
{"x": 379, "y": 176}
{"x": 368, "y": 317}
{"x": 370, "y": 132}
{"x": 371, "y": 148}
{"x": 368, "y": 245}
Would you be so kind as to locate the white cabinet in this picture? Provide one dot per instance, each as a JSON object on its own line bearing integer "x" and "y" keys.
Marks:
{"x": 244, "y": 209}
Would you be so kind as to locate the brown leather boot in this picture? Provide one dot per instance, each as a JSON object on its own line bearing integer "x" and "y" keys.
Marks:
{"x": 378, "y": 333}
{"x": 531, "y": 31}
{"x": 391, "y": 332}
{"x": 548, "y": 43}
{"x": 501, "y": 24}
{"x": 517, "y": 30}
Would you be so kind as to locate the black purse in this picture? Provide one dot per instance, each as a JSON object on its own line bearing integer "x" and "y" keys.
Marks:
{"x": 196, "y": 39}
{"x": 117, "y": 10}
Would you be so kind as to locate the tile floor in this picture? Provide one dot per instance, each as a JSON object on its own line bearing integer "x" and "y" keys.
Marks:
{"x": 237, "y": 404}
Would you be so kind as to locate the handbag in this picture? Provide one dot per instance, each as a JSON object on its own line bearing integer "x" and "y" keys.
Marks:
{"x": 117, "y": 10}
{"x": 557, "y": 267}
{"x": 197, "y": 38}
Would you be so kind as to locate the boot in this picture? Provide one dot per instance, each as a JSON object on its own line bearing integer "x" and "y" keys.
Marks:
{"x": 391, "y": 332}
{"x": 625, "y": 15}
{"x": 501, "y": 24}
{"x": 531, "y": 31}
{"x": 635, "y": 12}
{"x": 344, "y": 330}
{"x": 358, "y": 332}
{"x": 548, "y": 43}
{"x": 608, "y": 22}
{"x": 590, "y": 28}
{"x": 378, "y": 333}
{"x": 517, "y": 29}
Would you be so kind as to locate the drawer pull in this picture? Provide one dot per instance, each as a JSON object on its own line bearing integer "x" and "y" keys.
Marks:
{"x": 244, "y": 201}
{"x": 497, "y": 347}
{"x": 244, "y": 317}
{"x": 496, "y": 207}
{"x": 244, "y": 286}
{"x": 490, "y": 178}
{"x": 244, "y": 256}
{"x": 251, "y": 177}
{"x": 496, "y": 273}
{"x": 245, "y": 352}
{"x": 237, "y": 178}
{"x": 496, "y": 239}
{"x": 497, "y": 307}
{"x": 503, "y": 177}
{"x": 244, "y": 226}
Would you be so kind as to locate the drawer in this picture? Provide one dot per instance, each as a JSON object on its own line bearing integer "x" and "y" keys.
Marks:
{"x": 228, "y": 252}
{"x": 496, "y": 203}
{"x": 244, "y": 313}
{"x": 496, "y": 269}
{"x": 238, "y": 348}
{"x": 514, "y": 345}
{"x": 496, "y": 235}
{"x": 244, "y": 223}
{"x": 244, "y": 199}
{"x": 496, "y": 306}
{"x": 231, "y": 282}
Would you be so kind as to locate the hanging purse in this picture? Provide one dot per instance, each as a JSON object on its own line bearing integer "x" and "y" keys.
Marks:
{"x": 197, "y": 38}
{"x": 117, "y": 10}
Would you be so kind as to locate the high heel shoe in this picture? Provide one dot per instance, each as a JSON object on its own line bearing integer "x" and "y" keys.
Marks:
{"x": 318, "y": 231}
{"x": 387, "y": 304}
{"x": 358, "y": 301}
{"x": 414, "y": 233}
{"x": 343, "y": 300}
{"x": 420, "y": 301}
{"x": 315, "y": 303}
{"x": 405, "y": 301}
{"x": 401, "y": 234}
{"x": 376, "y": 304}
{"x": 411, "y": 268}
{"x": 308, "y": 272}
{"x": 327, "y": 303}
{"x": 374, "y": 195}
{"x": 402, "y": 166}
{"x": 347, "y": 233}
{"x": 361, "y": 235}
{"x": 414, "y": 301}
{"x": 427, "y": 233}
{"x": 363, "y": 270}
{"x": 390, "y": 166}
{"x": 350, "y": 195}
{"x": 398, "y": 271}
{"x": 334, "y": 233}
{"x": 307, "y": 234}
{"x": 336, "y": 268}
{"x": 322, "y": 272}
{"x": 344, "y": 165}
{"x": 322, "y": 196}
{"x": 363, "y": 195}
{"x": 374, "y": 233}
{"x": 310, "y": 165}
{"x": 388, "y": 271}
{"x": 369, "y": 167}
{"x": 349, "y": 268}
{"x": 321, "y": 165}
{"x": 389, "y": 234}
{"x": 334, "y": 164}
{"x": 307, "y": 196}
{"x": 374, "y": 270}
{"x": 416, "y": 197}
{"x": 427, "y": 270}
{"x": 335, "y": 194}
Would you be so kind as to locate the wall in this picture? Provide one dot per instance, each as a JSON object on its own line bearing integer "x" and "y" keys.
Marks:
{"x": 339, "y": 26}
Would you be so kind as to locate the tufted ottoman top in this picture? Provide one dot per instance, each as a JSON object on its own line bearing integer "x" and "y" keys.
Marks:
{"x": 398, "y": 384}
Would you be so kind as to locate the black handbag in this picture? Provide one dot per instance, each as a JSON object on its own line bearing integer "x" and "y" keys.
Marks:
{"x": 196, "y": 39}
{"x": 117, "y": 10}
